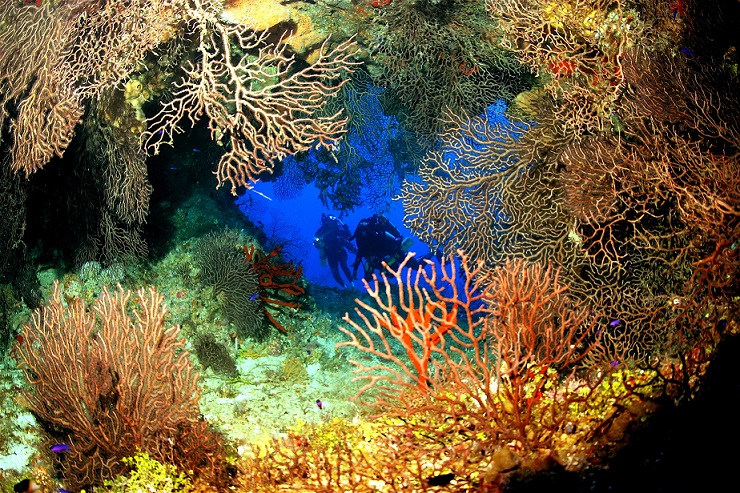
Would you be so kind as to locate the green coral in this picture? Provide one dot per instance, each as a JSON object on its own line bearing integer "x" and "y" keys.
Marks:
{"x": 147, "y": 475}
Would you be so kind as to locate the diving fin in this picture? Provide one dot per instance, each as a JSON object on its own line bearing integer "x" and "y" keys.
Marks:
{"x": 406, "y": 244}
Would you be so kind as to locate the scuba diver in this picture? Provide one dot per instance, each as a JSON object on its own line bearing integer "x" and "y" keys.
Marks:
{"x": 379, "y": 241}
{"x": 332, "y": 240}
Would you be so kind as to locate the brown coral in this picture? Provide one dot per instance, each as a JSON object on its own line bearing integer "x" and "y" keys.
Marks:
{"x": 113, "y": 380}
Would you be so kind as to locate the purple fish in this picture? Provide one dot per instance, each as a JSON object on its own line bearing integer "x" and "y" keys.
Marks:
{"x": 62, "y": 490}
{"x": 615, "y": 322}
{"x": 196, "y": 150}
{"x": 254, "y": 297}
{"x": 319, "y": 404}
{"x": 60, "y": 448}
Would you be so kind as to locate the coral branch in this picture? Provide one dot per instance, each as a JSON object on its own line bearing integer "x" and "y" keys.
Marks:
{"x": 262, "y": 105}
{"x": 419, "y": 309}
{"x": 277, "y": 280}
{"x": 112, "y": 381}
{"x": 64, "y": 55}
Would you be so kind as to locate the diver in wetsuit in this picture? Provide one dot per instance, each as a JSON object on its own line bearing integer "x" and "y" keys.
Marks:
{"x": 332, "y": 240}
{"x": 378, "y": 241}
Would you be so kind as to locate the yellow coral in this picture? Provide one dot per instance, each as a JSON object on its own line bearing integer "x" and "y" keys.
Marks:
{"x": 256, "y": 14}
{"x": 132, "y": 89}
{"x": 591, "y": 22}
{"x": 525, "y": 103}
{"x": 292, "y": 370}
{"x": 136, "y": 95}
{"x": 559, "y": 14}
{"x": 261, "y": 15}
{"x": 556, "y": 13}
{"x": 305, "y": 36}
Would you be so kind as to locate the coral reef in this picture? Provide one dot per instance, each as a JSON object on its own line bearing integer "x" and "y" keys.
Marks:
{"x": 573, "y": 166}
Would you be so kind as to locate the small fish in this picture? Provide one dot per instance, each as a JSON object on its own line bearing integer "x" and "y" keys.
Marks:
{"x": 26, "y": 486}
{"x": 440, "y": 479}
{"x": 60, "y": 448}
{"x": 614, "y": 363}
{"x": 254, "y": 296}
{"x": 319, "y": 404}
{"x": 62, "y": 490}
{"x": 615, "y": 322}
{"x": 196, "y": 150}
{"x": 308, "y": 352}
{"x": 687, "y": 52}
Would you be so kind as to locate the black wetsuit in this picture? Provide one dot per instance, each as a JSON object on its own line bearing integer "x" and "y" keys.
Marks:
{"x": 377, "y": 241}
{"x": 332, "y": 240}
